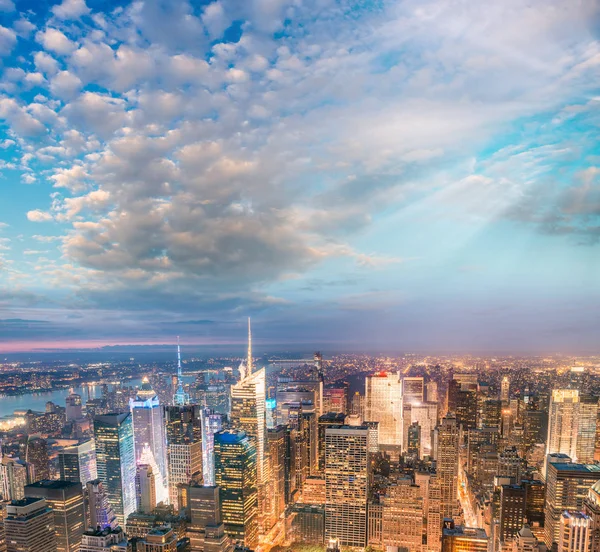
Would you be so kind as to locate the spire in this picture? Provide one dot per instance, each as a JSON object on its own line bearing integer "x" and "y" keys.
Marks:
{"x": 181, "y": 397}
{"x": 249, "y": 359}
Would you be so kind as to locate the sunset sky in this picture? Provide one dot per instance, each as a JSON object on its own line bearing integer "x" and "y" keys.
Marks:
{"x": 411, "y": 175}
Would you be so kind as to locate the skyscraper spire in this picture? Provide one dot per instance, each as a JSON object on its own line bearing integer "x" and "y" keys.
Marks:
{"x": 181, "y": 397}
{"x": 249, "y": 359}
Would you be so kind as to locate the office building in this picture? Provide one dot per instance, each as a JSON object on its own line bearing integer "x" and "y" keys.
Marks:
{"x": 575, "y": 532}
{"x": 383, "y": 404}
{"x": 447, "y": 464}
{"x": 592, "y": 510}
{"x": 78, "y": 462}
{"x": 29, "y": 526}
{"x": 206, "y": 531}
{"x": 145, "y": 486}
{"x": 235, "y": 475}
{"x": 184, "y": 448}
{"x": 347, "y": 472}
{"x": 159, "y": 539}
{"x": 74, "y": 410}
{"x": 276, "y": 443}
{"x": 425, "y": 414}
{"x": 510, "y": 464}
{"x": 413, "y": 390}
{"x": 526, "y": 541}
{"x": 463, "y": 539}
{"x": 572, "y": 425}
{"x": 115, "y": 458}
{"x": 505, "y": 389}
{"x": 37, "y": 456}
{"x": 149, "y": 432}
{"x": 513, "y": 506}
{"x": 14, "y": 475}
{"x": 335, "y": 398}
{"x": 567, "y": 487}
{"x": 65, "y": 498}
{"x": 99, "y": 511}
{"x": 402, "y": 516}
{"x": 330, "y": 419}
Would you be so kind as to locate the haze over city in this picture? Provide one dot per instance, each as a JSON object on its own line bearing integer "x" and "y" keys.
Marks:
{"x": 411, "y": 175}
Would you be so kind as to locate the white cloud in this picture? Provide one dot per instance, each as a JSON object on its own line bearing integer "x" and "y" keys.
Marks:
{"x": 55, "y": 41}
{"x": 71, "y": 9}
{"x": 73, "y": 179}
{"x": 65, "y": 85}
{"x": 8, "y": 39}
{"x": 37, "y": 215}
{"x": 45, "y": 63}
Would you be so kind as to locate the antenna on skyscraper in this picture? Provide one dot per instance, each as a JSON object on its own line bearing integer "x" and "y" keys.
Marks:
{"x": 181, "y": 397}
{"x": 249, "y": 359}
{"x": 178, "y": 360}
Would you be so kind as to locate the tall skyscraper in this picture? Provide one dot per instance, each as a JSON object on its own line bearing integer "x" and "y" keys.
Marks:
{"x": 383, "y": 404}
{"x": 145, "y": 487}
{"x": 99, "y": 511}
{"x": 29, "y": 526}
{"x": 115, "y": 458}
{"x": 425, "y": 414}
{"x": 184, "y": 447}
{"x": 447, "y": 464}
{"x": 37, "y": 455}
{"x": 567, "y": 486}
{"x": 413, "y": 390}
{"x": 180, "y": 397}
{"x": 149, "y": 432}
{"x": 236, "y": 477}
{"x": 248, "y": 414}
{"x": 65, "y": 498}
{"x": 78, "y": 462}
{"x": 14, "y": 475}
{"x": 347, "y": 473}
{"x": 276, "y": 440}
{"x": 211, "y": 423}
{"x": 592, "y": 509}
{"x": 572, "y": 425}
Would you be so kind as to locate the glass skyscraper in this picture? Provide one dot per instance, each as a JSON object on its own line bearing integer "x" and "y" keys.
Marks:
{"x": 115, "y": 457}
{"x": 235, "y": 474}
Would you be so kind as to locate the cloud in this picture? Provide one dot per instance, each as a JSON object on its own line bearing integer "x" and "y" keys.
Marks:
{"x": 7, "y": 5}
{"x": 38, "y": 215}
{"x": 55, "y": 41}
{"x": 8, "y": 39}
{"x": 70, "y": 9}
{"x": 65, "y": 85}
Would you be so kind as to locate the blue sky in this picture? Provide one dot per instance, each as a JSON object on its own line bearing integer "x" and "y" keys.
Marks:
{"x": 413, "y": 175}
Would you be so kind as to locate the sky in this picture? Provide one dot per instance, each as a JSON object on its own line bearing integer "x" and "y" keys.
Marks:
{"x": 411, "y": 175}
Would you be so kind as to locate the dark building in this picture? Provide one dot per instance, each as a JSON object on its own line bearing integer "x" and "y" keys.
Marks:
{"x": 512, "y": 510}
{"x": 37, "y": 455}
{"x": 65, "y": 498}
{"x": 308, "y": 523}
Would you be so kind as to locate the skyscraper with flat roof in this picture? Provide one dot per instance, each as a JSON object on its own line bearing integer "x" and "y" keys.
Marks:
{"x": 447, "y": 464}
{"x": 65, "y": 498}
{"x": 29, "y": 526}
{"x": 235, "y": 475}
{"x": 115, "y": 458}
{"x": 383, "y": 404}
{"x": 347, "y": 472}
{"x": 78, "y": 462}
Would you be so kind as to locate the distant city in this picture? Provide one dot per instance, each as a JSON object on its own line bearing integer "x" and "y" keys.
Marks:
{"x": 349, "y": 452}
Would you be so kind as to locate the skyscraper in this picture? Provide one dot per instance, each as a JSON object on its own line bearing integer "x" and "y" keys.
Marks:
{"x": 14, "y": 475}
{"x": 505, "y": 389}
{"x": 572, "y": 425}
{"x": 206, "y": 531}
{"x": 99, "y": 511}
{"x": 65, "y": 498}
{"x": 413, "y": 390}
{"x": 512, "y": 511}
{"x": 29, "y": 526}
{"x": 73, "y": 407}
{"x": 276, "y": 439}
{"x": 184, "y": 447}
{"x": 149, "y": 432}
{"x": 567, "y": 486}
{"x": 180, "y": 397}
{"x": 447, "y": 464}
{"x": 248, "y": 414}
{"x": 235, "y": 475}
{"x": 402, "y": 516}
{"x": 383, "y": 404}
{"x": 145, "y": 487}
{"x": 347, "y": 472}
{"x": 211, "y": 423}
{"x": 37, "y": 455}
{"x": 115, "y": 458}
{"x": 78, "y": 462}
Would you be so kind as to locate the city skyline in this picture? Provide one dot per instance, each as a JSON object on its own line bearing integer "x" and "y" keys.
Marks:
{"x": 416, "y": 175}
